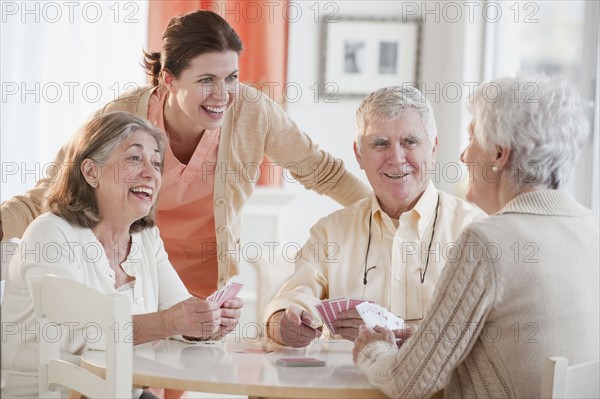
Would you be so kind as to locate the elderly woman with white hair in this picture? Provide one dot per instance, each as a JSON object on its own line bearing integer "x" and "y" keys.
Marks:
{"x": 523, "y": 283}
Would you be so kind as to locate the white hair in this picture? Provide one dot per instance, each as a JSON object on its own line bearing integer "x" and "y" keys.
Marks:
{"x": 388, "y": 102}
{"x": 541, "y": 119}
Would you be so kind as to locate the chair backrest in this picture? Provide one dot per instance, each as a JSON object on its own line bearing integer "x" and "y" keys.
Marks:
{"x": 61, "y": 301}
{"x": 7, "y": 249}
{"x": 563, "y": 381}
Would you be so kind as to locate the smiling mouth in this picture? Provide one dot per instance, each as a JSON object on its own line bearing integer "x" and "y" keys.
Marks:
{"x": 142, "y": 192}
{"x": 214, "y": 111}
{"x": 396, "y": 177}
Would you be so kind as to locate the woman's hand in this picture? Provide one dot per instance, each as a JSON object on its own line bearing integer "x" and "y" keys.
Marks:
{"x": 230, "y": 316}
{"x": 405, "y": 333}
{"x": 194, "y": 317}
{"x": 367, "y": 336}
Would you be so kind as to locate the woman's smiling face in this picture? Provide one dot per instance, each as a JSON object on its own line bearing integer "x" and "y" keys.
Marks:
{"x": 129, "y": 181}
{"x": 206, "y": 88}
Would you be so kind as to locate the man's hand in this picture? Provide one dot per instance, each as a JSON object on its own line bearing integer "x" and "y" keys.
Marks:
{"x": 292, "y": 328}
{"x": 347, "y": 324}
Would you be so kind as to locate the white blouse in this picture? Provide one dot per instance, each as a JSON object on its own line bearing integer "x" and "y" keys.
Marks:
{"x": 53, "y": 246}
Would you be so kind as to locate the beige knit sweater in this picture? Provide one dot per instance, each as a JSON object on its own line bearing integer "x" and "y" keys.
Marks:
{"x": 524, "y": 287}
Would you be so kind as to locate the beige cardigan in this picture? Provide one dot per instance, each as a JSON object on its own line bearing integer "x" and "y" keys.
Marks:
{"x": 524, "y": 288}
{"x": 253, "y": 127}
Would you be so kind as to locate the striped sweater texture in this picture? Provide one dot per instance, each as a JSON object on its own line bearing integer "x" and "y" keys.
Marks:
{"x": 518, "y": 287}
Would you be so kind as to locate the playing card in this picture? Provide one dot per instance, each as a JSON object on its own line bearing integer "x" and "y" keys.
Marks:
{"x": 375, "y": 315}
{"x": 254, "y": 350}
{"x": 230, "y": 293}
{"x": 300, "y": 362}
{"x": 227, "y": 292}
{"x": 353, "y": 302}
{"x": 335, "y": 305}
{"x": 321, "y": 311}
{"x": 323, "y": 314}
{"x": 326, "y": 313}
{"x": 344, "y": 305}
{"x": 329, "y": 311}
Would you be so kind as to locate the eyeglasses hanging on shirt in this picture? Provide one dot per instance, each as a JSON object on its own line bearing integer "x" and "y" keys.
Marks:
{"x": 367, "y": 269}
{"x": 422, "y": 272}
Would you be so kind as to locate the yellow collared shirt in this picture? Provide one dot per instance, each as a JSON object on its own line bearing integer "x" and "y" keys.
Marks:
{"x": 332, "y": 262}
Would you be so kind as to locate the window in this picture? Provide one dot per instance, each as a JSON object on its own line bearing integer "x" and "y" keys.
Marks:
{"x": 60, "y": 62}
{"x": 555, "y": 37}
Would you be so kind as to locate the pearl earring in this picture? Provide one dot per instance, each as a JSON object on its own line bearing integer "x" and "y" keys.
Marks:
{"x": 495, "y": 168}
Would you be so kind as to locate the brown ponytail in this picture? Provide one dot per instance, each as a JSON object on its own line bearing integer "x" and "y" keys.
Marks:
{"x": 188, "y": 36}
{"x": 152, "y": 66}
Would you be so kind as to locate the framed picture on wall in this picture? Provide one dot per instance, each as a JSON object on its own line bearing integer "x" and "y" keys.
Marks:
{"x": 363, "y": 54}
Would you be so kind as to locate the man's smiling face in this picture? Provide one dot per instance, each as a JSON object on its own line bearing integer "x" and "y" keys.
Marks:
{"x": 396, "y": 155}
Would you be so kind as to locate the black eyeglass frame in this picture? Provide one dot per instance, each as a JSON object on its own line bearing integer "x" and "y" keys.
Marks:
{"x": 423, "y": 274}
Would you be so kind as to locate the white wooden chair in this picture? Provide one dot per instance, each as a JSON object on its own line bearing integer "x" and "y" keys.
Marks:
{"x": 563, "y": 381}
{"x": 58, "y": 300}
{"x": 7, "y": 249}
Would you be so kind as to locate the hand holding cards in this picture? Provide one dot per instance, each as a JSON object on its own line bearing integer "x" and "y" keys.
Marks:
{"x": 375, "y": 315}
{"x": 371, "y": 313}
{"x": 329, "y": 309}
{"x": 225, "y": 293}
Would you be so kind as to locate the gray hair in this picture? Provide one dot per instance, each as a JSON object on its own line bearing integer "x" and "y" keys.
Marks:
{"x": 388, "y": 102}
{"x": 71, "y": 197}
{"x": 541, "y": 119}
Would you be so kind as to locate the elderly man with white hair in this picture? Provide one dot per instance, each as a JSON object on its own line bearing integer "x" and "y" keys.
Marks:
{"x": 389, "y": 247}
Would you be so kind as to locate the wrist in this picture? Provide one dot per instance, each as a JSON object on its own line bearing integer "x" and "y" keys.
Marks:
{"x": 274, "y": 326}
{"x": 168, "y": 322}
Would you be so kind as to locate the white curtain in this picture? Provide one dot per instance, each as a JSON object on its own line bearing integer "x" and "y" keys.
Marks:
{"x": 61, "y": 61}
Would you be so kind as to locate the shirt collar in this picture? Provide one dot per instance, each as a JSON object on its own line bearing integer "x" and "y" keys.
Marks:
{"x": 425, "y": 208}
{"x": 423, "y": 212}
{"x": 545, "y": 202}
{"x": 131, "y": 264}
{"x": 380, "y": 219}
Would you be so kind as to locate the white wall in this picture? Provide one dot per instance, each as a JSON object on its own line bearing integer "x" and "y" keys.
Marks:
{"x": 60, "y": 61}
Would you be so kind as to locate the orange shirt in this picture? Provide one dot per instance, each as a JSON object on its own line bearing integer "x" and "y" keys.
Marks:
{"x": 185, "y": 207}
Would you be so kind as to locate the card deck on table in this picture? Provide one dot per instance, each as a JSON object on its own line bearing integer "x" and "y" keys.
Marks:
{"x": 254, "y": 350}
{"x": 300, "y": 362}
{"x": 225, "y": 293}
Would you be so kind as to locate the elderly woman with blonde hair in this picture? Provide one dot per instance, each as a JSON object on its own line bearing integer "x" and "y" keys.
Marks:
{"x": 522, "y": 284}
{"x": 100, "y": 231}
